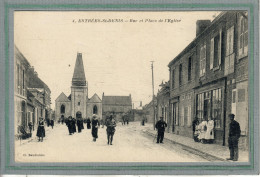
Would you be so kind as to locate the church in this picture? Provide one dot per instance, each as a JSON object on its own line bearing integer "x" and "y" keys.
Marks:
{"x": 78, "y": 104}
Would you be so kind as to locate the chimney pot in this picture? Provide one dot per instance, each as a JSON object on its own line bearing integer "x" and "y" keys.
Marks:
{"x": 201, "y": 25}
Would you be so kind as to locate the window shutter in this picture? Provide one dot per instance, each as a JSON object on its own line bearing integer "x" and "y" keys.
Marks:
{"x": 201, "y": 65}
{"x": 231, "y": 48}
{"x": 240, "y": 41}
{"x": 219, "y": 47}
{"x": 211, "y": 52}
{"x": 228, "y": 42}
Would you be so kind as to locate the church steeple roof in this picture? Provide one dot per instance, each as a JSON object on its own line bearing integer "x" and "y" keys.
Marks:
{"x": 79, "y": 78}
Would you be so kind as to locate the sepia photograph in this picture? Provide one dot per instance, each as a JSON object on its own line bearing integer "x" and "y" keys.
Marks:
{"x": 131, "y": 86}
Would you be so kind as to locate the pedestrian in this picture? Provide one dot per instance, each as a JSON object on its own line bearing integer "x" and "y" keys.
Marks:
{"x": 111, "y": 124}
{"x": 30, "y": 127}
{"x": 234, "y": 135}
{"x": 88, "y": 123}
{"x": 202, "y": 131}
{"x": 143, "y": 121}
{"x": 40, "y": 130}
{"x": 209, "y": 135}
{"x": 127, "y": 120}
{"x": 52, "y": 123}
{"x": 95, "y": 125}
{"x": 74, "y": 125}
{"x": 195, "y": 124}
{"x": 69, "y": 125}
{"x": 79, "y": 125}
{"x": 82, "y": 123}
{"x": 160, "y": 126}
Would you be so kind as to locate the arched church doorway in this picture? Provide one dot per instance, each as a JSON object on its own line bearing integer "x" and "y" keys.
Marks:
{"x": 62, "y": 109}
{"x": 78, "y": 114}
{"x": 95, "y": 109}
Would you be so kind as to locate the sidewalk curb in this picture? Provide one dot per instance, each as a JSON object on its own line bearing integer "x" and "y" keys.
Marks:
{"x": 195, "y": 151}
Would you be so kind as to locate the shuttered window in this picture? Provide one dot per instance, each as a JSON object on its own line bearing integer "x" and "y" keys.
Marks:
{"x": 229, "y": 59}
{"x": 243, "y": 35}
{"x": 203, "y": 60}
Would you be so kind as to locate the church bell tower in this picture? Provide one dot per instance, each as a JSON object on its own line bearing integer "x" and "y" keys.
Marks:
{"x": 79, "y": 90}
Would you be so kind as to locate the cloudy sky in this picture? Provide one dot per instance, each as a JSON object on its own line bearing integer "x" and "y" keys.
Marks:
{"x": 116, "y": 54}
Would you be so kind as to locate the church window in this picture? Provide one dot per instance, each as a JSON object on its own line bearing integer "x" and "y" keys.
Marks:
{"x": 62, "y": 109}
{"x": 95, "y": 110}
{"x": 78, "y": 103}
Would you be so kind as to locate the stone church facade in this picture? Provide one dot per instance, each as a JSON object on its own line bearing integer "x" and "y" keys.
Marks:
{"x": 77, "y": 104}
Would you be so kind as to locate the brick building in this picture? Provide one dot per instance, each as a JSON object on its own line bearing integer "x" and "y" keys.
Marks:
{"x": 209, "y": 78}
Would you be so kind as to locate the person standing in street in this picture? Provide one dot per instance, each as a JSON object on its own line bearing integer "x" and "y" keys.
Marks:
{"x": 160, "y": 126}
{"x": 234, "y": 135}
{"x": 202, "y": 131}
{"x": 69, "y": 125}
{"x": 95, "y": 125}
{"x": 79, "y": 125}
{"x": 52, "y": 123}
{"x": 195, "y": 124}
{"x": 40, "y": 130}
{"x": 88, "y": 123}
{"x": 209, "y": 135}
{"x": 74, "y": 125}
{"x": 111, "y": 124}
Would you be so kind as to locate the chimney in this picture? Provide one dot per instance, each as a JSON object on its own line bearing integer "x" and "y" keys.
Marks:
{"x": 140, "y": 103}
{"x": 201, "y": 25}
{"x": 35, "y": 73}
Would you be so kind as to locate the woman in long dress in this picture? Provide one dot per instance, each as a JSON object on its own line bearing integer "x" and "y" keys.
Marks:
{"x": 88, "y": 123}
{"x": 209, "y": 135}
{"x": 95, "y": 125}
{"x": 40, "y": 130}
{"x": 203, "y": 129}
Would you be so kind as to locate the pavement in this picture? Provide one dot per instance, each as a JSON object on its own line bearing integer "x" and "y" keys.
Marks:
{"x": 211, "y": 152}
{"x": 130, "y": 144}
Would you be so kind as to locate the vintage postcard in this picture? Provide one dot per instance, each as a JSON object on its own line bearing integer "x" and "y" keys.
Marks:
{"x": 72, "y": 68}
{"x": 132, "y": 86}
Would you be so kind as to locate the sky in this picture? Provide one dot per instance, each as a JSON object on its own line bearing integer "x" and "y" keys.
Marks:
{"x": 117, "y": 48}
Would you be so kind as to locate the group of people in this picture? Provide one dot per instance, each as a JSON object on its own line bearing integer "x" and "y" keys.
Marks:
{"x": 94, "y": 125}
{"x": 203, "y": 131}
{"x": 125, "y": 120}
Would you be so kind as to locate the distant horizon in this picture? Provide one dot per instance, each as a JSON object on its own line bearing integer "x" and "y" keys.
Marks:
{"x": 116, "y": 55}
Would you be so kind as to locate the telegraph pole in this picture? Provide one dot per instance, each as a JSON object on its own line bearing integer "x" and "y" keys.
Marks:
{"x": 153, "y": 96}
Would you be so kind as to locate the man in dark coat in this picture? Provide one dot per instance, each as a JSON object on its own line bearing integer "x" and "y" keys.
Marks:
{"x": 79, "y": 125}
{"x": 95, "y": 125}
{"x": 234, "y": 135}
{"x": 111, "y": 124}
{"x": 160, "y": 126}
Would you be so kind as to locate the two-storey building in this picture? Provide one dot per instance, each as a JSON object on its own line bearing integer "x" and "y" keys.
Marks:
{"x": 209, "y": 78}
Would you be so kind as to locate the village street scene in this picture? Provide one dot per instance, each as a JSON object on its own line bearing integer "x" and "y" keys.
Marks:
{"x": 121, "y": 104}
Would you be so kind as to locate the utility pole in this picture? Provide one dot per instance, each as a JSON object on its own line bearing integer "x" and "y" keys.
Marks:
{"x": 153, "y": 96}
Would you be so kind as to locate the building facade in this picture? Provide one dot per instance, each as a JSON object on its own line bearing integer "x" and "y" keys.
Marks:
{"x": 163, "y": 104}
{"x": 116, "y": 105}
{"x": 209, "y": 78}
{"x": 31, "y": 95}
